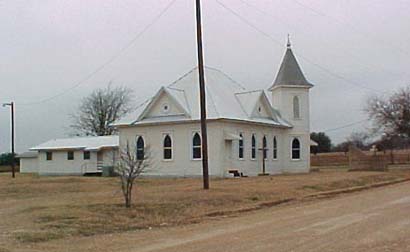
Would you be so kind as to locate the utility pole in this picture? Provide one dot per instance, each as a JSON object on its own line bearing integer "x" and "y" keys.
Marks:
{"x": 204, "y": 139}
{"x": 11, "y": 105}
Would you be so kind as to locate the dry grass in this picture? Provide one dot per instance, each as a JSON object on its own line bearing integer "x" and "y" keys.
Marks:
{"x": 40, "y": 209}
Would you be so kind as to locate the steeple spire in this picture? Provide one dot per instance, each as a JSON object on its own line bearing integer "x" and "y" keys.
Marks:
{"x": 290, "y": 73}
{"x": 288, "y": 45}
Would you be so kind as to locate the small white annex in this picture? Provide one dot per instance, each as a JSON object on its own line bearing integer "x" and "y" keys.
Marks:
{"x": 244, "y": 126}
{"x": 71, "y": 156}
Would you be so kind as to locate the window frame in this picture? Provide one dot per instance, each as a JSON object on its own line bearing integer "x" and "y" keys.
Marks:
{"x": 254, "y": 144}
{"x": 49, "y": 156}
{"x": 137, "y": 148}
{"x": 241, "y": 147}
{"x": 86, "y": 155}
{"x": 70, "y": 157}
{"x": 296, "y": 107}
{"x": 164, "y": 148}
{"x": 264, "y": 147}
{"x": 275, "y": 148}
{"x": 196, "y": 146}
{"x": 298, "y": 149}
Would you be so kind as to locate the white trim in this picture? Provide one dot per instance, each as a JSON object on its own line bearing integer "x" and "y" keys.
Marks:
{"x": 164, "y": 134}
{"x": 191, "y": 139}
{"x": 291, "y": 148}
{"x": 263, "y": 149}
{"x": 273, "y": 148}
{"x": 243, "y": 146}
{"x": 296, "y": 98}
{"x": 136, "y": 144}
{"x": 254, "y": 135}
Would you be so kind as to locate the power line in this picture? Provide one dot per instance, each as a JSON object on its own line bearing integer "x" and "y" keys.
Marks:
{"x": 109, "y": 61}
{"x": 346, "y": 126}
{"x": 364, "y": 34}
{"x": 252, "y": 6}
{"x": 324, "y": 69}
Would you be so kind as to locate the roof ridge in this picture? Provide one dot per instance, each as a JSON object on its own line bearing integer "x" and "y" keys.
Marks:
{"x": 250, "y": 91}
{"x": 81, "y": 137}
{"x": 227, "y": 76}
{"x": 181, "y": 77}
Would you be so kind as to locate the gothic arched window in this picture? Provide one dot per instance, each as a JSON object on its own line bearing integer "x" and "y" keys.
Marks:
{"x": 296, "y": 107}
{"x": 196, "y": 146}
{"x": 240, "y": 147}
{"x": 275, "y": 148}
{"x": 167, "y": 147}
{"x": 295, "y": 149}
{"x": 264, "y": 147}
{"x": 140, "y": 148}
{"x": 253, "y": 154}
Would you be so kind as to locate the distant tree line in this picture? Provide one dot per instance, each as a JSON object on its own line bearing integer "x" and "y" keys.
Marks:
{"x": 390, "y": 117}
{"x": 7, "y": 158}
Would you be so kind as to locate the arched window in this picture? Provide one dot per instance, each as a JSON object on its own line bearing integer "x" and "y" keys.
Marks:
{"x": 264, "y": 147}
{"x": 253, "y": 147}
{"x": 295, "y": 149}
{"x": 140, "y": 148}
{"x": 240, "y": 146}
{"x": 275, "y": 148}
{"x": 296, "y": 107}
{"x": 196, "y": 146}
{"x": 167, "y": 147}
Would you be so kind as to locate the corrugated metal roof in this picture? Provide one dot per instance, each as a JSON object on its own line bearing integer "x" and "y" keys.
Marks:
{"x": 225, "y": 98}
{"x": 28, "y": 154}
{"x": 290, "y": 72}
{"x": 86, "y": 143}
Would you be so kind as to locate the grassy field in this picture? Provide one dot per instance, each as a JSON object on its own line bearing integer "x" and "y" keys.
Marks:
{"x": 40, "y": 209}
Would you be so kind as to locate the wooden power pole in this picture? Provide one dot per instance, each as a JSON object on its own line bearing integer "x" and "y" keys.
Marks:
{"x": 11, "y": 105}
{"x": 202, "y": 96}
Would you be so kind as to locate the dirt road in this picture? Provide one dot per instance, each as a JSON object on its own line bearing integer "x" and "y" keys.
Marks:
{"x": 374, "y": 220}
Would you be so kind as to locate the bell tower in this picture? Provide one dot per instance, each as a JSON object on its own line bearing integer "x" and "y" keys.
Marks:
{"x": 290, "y": 95}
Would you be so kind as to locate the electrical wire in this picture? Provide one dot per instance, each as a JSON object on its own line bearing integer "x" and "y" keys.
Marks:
{"x": 351, "y": 55}
{"x": 107, "y": 62}
{"x": 353, "y": 28}
{"x": 324, "y": 69}
{"x": 345, "y": 126}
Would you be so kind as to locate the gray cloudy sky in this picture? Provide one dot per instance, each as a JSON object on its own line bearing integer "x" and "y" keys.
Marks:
{"x": 47, "y": 46}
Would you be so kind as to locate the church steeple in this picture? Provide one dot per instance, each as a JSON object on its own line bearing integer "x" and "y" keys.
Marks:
{"x": 290, "y": 73}
{"x": 288, "y": 45}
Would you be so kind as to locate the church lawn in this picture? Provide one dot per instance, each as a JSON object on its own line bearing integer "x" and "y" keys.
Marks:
{"x": 40, "y": 209}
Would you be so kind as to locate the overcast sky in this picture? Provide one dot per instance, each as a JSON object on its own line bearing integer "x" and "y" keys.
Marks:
{"x": 349, "y": 49}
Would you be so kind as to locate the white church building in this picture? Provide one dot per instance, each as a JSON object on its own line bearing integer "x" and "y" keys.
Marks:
{"x": 244, "y": 126}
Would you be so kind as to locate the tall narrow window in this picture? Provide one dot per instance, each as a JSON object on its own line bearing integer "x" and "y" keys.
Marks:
{"x": 140, "y": 148}
{"x": 49, "y": 156}
{"x": 275, "y": 148}
{"x": 296, "y": 107}
{"x": 167, "y": 147}
{"x": 264, "y": 147}
{"x": 253, "y": 155}
{"x": 295, "y": 149}
{"x": 196, "y": 146}
{"x": 241, "y": 146}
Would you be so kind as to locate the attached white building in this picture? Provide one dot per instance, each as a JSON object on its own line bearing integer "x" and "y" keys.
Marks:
{"x": 28, "y": 162}
{"x": 243, "y": 126}
{"x": 72, "y": 156}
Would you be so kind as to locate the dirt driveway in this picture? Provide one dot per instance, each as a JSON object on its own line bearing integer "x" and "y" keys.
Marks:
{"x": 374, "y": 220}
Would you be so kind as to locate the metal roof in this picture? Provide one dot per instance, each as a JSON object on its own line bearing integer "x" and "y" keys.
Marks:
{"x": 225, "y": 99}
{"x": 290, "y": 73}
{"x": 84, "y": 143}
{"x": 28, "y": 154}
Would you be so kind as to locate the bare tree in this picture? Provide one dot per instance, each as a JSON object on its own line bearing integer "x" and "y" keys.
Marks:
{"x": 129, "y": 168}
{"x": 391, "y": 115}
{"x": 101, "y": 108}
